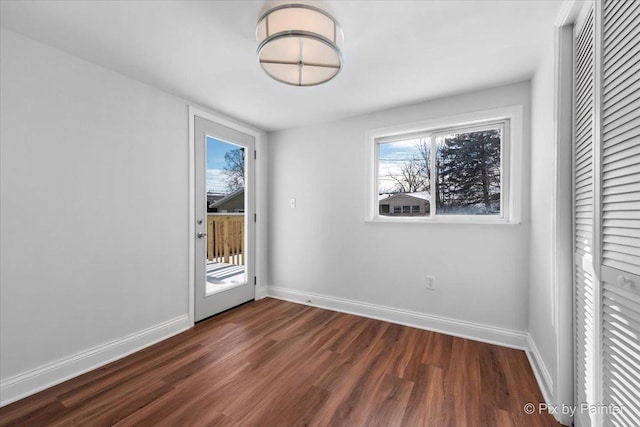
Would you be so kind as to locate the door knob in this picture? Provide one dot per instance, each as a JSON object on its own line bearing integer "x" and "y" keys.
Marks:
{"x": 625, "y": 282}
{"x": 201, "y": 234}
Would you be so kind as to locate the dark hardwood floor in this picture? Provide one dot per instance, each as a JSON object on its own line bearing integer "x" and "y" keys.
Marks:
{"x": 274, "y": 363}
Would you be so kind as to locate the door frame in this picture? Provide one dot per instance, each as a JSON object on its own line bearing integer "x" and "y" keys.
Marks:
{"x": 193, "y": 113}
{"x": 561, "y": 386}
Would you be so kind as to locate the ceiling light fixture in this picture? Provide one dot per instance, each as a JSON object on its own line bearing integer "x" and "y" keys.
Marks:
{"x": 299, "y": 44}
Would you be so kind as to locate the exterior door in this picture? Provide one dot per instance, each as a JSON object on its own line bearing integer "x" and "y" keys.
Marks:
{"x": 224, "y": 218}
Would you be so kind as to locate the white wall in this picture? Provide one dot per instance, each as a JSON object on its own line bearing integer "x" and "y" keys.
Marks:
{"x": 324, "y": 246}
{"x": 541, "y": 280}
{"x": 94, "y": 215}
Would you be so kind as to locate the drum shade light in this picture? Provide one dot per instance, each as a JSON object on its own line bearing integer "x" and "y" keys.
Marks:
{"x": 299, "y": 44}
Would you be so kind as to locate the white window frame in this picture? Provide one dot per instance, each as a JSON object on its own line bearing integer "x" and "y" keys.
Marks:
{"x": 511, "y": 163}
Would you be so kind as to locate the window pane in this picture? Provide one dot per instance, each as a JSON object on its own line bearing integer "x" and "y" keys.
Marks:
{"x": 468, "y": 173}
{"x": 404, "y": 172}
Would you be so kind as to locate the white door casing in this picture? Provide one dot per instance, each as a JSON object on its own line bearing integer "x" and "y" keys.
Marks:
{"x": 207, "y": 305}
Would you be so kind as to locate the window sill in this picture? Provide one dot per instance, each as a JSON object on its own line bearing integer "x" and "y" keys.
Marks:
{"x": 466, "y": 220}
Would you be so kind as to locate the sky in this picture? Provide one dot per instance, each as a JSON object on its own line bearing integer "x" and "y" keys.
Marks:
{"x": 216, "y": 150}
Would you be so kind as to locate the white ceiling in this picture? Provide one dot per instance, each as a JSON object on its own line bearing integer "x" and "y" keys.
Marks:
{"x": 396, "y": 52}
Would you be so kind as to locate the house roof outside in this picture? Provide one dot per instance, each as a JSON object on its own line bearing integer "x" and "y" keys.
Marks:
{"x": 227, "y": 198}
{"x": 213, "y": 197}
{"x": 421, "y": 195}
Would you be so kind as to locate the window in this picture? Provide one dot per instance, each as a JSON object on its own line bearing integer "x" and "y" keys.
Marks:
{"x": 453, "y": 172}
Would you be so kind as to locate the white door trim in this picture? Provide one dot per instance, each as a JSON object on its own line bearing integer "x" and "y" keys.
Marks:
{"x": 193, "y": 113}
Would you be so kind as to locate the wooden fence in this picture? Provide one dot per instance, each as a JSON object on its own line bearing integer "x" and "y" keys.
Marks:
{"x": 225, "y": 238}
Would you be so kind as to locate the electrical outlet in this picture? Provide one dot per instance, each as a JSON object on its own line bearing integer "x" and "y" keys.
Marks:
{"x": 431, "y": 283}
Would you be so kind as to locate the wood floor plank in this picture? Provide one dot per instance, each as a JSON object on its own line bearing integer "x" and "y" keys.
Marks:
{"x": 438, "y": 352}
{"x": 393, "y": 343}
{"x": 189, "y": 402}
{"x": 495, "y": 390}
{"x": 274, "y": 363}
{"x": 33, "y": 412}
{"x": 390, "y": 399}
{"x": 411, "y": 351}
{"x": 425, "y": 405}
{"x": 155, "y": 368}
{"x": 292, "y": 397}
{"x": 114, "y": 404}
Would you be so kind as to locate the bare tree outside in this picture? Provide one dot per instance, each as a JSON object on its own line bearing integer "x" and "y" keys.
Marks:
{"x": 234, "y": 169}
{"x": 409, "y": 178}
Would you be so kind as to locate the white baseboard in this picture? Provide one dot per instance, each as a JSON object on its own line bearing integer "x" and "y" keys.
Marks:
{"x": 45, "y": 376}
{"x": 545, "y": 382}
{"x": 459, "y": 328}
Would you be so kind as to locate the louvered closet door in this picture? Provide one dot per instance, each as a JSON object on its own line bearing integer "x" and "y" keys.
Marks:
{"x": 620, "y": 270}
{"x": 585, "y": 328}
